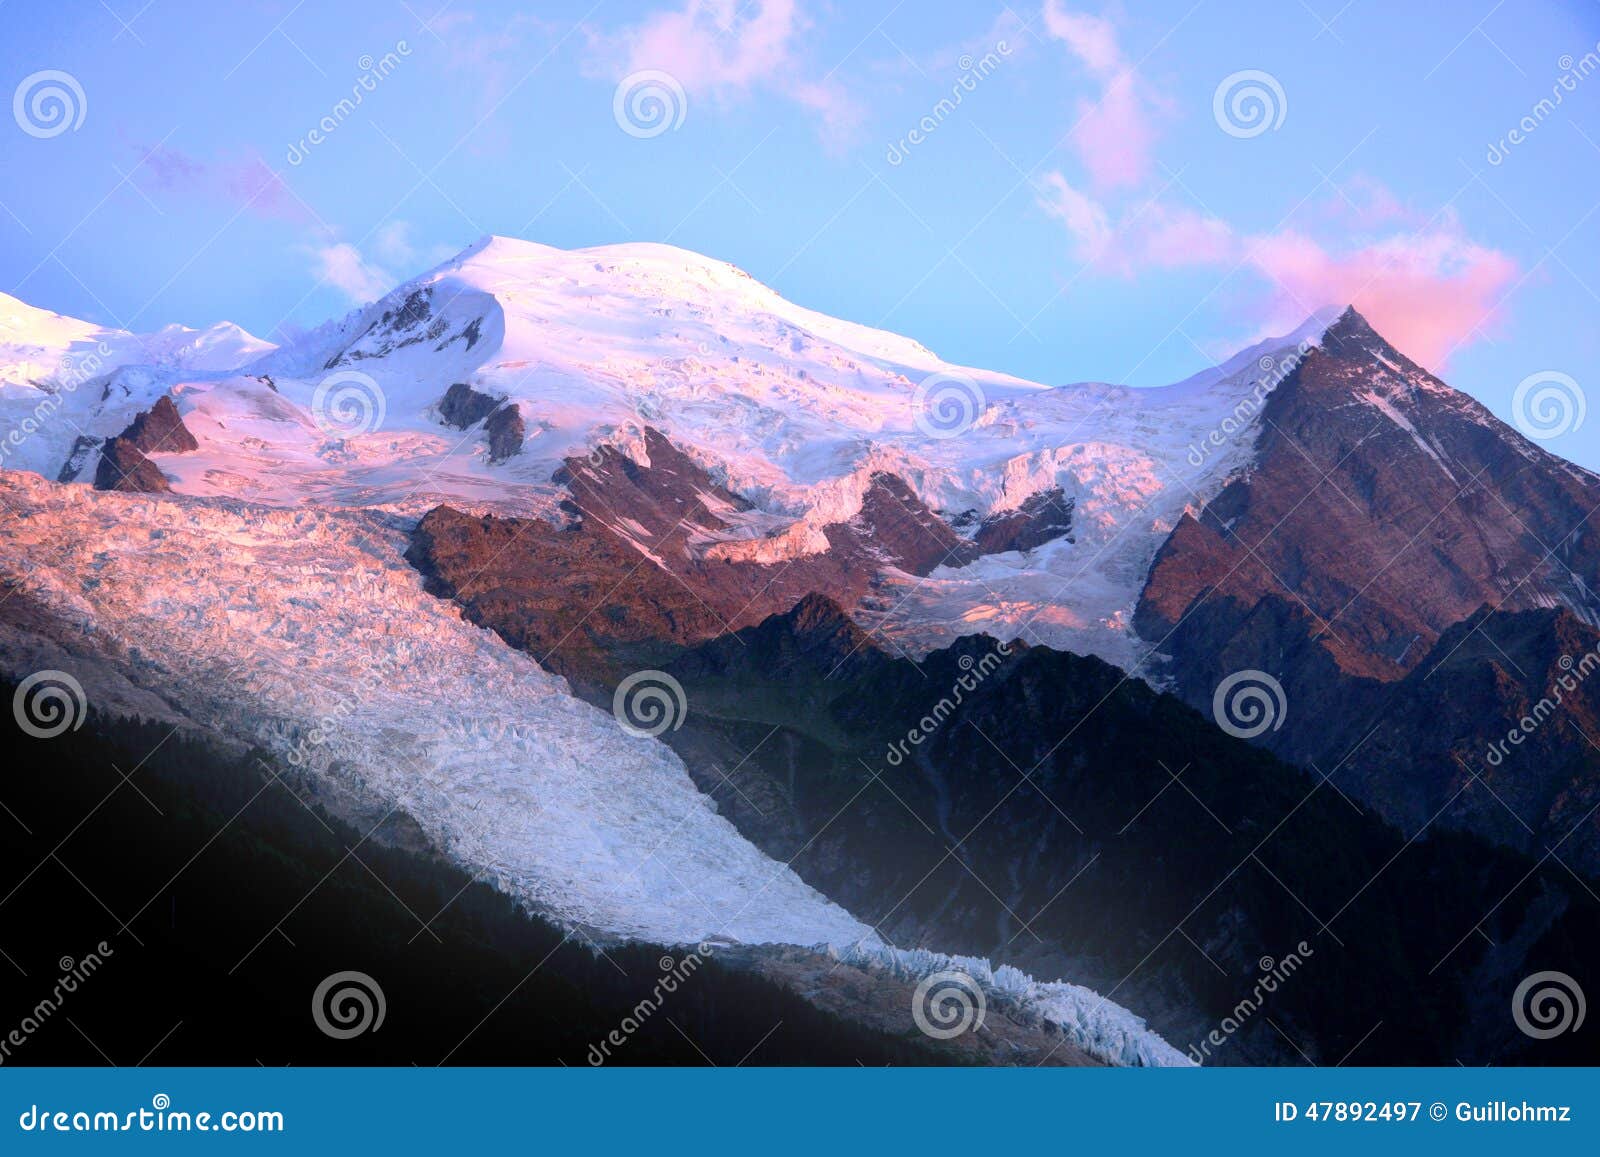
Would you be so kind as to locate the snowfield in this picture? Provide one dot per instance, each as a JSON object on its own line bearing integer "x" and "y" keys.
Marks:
{"x": 61, "y": 378}
{"x": 304, "y": 631}
{"x": 794, "y": 409}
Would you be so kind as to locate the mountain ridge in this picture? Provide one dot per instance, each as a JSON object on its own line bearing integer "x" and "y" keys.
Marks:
{"x": 797, "y": 412}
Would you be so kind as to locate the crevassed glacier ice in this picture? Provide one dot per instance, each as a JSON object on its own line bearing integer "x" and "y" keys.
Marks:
{"x": 305, "y": 631}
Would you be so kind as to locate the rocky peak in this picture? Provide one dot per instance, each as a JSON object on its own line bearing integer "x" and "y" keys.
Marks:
{"x": 124, "y": 464}
{"x": 1380, "y": 508}
{"x": 159, "y": 430}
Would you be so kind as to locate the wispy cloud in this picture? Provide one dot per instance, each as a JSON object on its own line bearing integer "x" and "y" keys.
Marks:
{"x": 245, "y": 181}
{"x": 1152, "y": 234}
{"x": 1430, "y": 289}
{"x": 1085, "y": 219}
{"x": 1092, "y": 39}
{"x": 724, "y": 51}
{"x": 392, "y": 255}
{"x": 1429, "y": 292}
{"x": 342, "y": 266}
{"x": 488, "y": 57}
{"x": 1114, "y": 133}
{"x": 1422, "y": 282}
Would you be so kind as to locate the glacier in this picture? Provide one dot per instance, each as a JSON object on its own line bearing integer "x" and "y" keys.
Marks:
{"x": 303, "y": 632}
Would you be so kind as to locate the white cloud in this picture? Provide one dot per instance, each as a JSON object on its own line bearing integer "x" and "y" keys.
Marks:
{"x": 1085, "y": 219}
{"x": 342, "y": 266}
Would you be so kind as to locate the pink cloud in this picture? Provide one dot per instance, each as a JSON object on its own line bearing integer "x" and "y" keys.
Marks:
{"x": 723, "y": 50}
{"x": 1428, "y": 293}
{"x": 1170, "y": 237}
{"x": 1423, "y": 284}
{"x": 1113, "y": 135}
{"x": 255, "y": 185}
{"x": 247, "y": 182}
{"x": 714, "y": 44}
{"x": 491, "y": 57}
{"x": 1367, "y": 203}
{"x": 1092, "y": 39}
{"x": 1151, "y": 235}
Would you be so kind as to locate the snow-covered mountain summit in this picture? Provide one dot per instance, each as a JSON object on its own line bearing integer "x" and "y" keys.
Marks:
{"x": 67, "y": 384}
{"x": 475, "y": 383}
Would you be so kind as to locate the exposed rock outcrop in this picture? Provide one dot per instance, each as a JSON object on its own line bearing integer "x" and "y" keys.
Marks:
{"x": 629, "y": 575}
{"x": 160, "y": 430}
{"x": 124, "y": 462}
{"x": 464, "y": 407}
{"x": 1042, "y": 517}
{"x": 123, "y": 467}
{"x": 506, "y": 430}
{"x": 1385, "y": 507}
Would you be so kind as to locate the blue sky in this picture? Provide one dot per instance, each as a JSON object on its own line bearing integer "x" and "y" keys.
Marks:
{"x": 1086, "y": 210}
